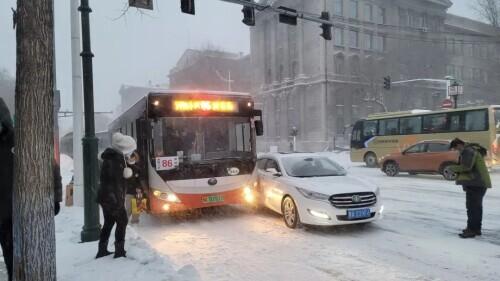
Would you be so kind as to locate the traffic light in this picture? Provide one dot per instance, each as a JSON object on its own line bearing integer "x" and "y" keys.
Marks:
{"x": 288, "y": 19}
{"x": 387, "y": 82}
{"x": 187, "y": 6}
{"x": 327, "y": 28}
{"x": 248, "y": 15}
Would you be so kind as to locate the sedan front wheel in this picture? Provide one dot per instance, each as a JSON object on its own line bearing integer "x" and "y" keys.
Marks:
{"x": 290, "y": 212}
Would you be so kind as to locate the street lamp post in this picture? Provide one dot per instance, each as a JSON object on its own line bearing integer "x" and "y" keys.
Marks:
{"x": 91, "y": 227}
{"x": 454, "y": 91}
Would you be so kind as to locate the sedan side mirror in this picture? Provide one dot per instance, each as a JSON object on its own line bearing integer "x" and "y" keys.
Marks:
{"x": 274, "y": 172}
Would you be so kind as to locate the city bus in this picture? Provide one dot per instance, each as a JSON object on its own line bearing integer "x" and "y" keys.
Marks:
{"x": 197, "y": 148}
{"x": 381, "y": 134}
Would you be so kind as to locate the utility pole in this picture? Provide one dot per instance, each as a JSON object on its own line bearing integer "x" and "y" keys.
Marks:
{"x": 91, "y": 227}
{"x": 33, "y": 192}
{"x": 77, "y": 105}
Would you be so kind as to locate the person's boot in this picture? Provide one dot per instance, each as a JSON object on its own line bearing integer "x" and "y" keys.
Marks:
{"x": 478, "y": 232}
{"x": 468, "y": 233}
{"x": 103, "y": 250}
{"x": 120, "y": 250}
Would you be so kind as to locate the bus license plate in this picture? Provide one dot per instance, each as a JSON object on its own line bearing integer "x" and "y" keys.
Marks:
{"x": 212, "y": 199}
{"x": 358, "y": 214}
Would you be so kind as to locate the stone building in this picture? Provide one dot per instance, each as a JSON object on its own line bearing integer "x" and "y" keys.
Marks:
{"x": 211, "y": 70}
{"x": 321, "y": 87}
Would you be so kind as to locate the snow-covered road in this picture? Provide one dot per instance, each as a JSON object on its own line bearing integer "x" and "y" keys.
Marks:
{"x": 416, "y": 240}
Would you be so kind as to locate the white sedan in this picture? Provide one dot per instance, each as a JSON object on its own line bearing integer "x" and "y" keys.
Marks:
{"x": 312, "y": 189}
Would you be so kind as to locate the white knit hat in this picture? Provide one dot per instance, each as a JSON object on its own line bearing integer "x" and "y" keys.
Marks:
{"x": 123, "y": 143}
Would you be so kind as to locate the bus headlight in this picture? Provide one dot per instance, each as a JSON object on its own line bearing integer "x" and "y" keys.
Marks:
{"x": 172, "y": 198}
{"x": 248, "y": 194}
{"x": 169, "y": 197}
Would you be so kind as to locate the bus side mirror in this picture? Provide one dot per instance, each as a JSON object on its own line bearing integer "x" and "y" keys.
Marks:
{"x": 259, "y": 128}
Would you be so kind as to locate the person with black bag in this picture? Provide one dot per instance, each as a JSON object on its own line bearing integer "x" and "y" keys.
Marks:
{"x": 473, "y": 176}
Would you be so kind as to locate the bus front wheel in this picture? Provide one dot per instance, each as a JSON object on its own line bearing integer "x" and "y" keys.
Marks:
{"x": 371, "y": 160}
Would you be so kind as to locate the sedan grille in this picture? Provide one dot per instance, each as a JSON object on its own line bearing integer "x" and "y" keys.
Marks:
{"x": 353, "y": 200}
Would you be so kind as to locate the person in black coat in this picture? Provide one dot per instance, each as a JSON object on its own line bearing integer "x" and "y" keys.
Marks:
{"x": 7, "y": 176}
{"x": 112, "y": 191}
{"x": 135, "y": 186}
{"x": 6, "y": 185}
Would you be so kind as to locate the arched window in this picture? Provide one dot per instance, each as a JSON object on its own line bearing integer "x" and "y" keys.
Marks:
{"x": 339, "y": 61}
{"x": 355, "y": 65}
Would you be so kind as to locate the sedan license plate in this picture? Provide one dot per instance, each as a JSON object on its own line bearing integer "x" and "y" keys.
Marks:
{"x": 358, "y": 214}
{"x": 212, "y": 199}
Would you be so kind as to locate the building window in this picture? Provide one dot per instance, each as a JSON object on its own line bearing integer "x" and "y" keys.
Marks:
{"x": 379, "y": 43}
{"x": 338, "y": 7}
{"x": 450, "y": 70}
{"x": 368, "y": 12}
{"x": 368, "y": 41}
{"x": 355, "y": 66}
{"x": 339, "y": 62}
{"x": 339, "y": 36}
{"x": 353, "y": 9}
{"x": 294, "y": 69}
{"x": 353, "y": 39}
{"x": 450, "y": 45}
{"x": 403, "y": 17}
{"x": 380, "y": 15}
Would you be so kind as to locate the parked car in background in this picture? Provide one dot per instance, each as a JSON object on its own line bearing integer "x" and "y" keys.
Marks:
{"x": 426, "y": 157}
{"x": 312, "y": 189}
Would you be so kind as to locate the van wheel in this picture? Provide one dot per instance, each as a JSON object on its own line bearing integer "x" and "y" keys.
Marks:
{"x": 391, "y": 169}
{"x": 447, "y": 173}
{"x": 371, "y": 160}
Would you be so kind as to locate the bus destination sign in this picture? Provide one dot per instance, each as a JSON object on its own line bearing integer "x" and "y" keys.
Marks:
{"x": 205, "y": 106}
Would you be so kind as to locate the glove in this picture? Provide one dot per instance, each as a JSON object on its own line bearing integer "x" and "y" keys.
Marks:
{"x": 57, "y": 208}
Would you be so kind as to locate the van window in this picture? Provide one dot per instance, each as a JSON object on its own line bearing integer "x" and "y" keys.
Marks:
{"x": 369, "y": 129}
{"x": 436, "y": 123}
{"x": 389, "y": 127}
{"x": 476, "y": 120}
{"x": 411, "y": 125}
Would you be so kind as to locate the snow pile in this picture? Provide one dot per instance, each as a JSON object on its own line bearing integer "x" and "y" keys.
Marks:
{"x": 75, "y": 260}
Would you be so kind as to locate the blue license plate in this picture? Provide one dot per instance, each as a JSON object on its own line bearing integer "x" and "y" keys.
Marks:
{"x": 358, "y": 214}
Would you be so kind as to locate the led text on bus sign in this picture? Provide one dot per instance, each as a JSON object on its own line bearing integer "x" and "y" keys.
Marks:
{"x": 205, "y": 105}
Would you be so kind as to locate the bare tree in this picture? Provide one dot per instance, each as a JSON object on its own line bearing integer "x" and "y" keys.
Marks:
{"x": 489, "y": 10}
{"x": 33, "y": 195}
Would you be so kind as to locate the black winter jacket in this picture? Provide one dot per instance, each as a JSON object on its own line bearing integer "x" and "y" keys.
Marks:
{"x": 6, "y": 173}
{"x": 136, "y": 180}
{"x": 112, "y": 190}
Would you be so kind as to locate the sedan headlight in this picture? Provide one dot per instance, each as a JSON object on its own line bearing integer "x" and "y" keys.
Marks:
{"x": 313, "y": 195}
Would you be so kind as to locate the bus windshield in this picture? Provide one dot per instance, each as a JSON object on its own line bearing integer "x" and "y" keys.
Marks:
{"x": 195, "y": 139}
{"x": 497, "y": 119}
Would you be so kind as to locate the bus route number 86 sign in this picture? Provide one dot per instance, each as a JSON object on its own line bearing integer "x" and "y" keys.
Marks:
{"x": 167, "y": 163}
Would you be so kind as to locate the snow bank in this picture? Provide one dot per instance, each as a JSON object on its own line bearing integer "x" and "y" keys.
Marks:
{"x": 75, "y": 260}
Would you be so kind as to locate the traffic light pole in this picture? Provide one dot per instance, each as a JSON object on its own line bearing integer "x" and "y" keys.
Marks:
{"x": 298, "y": 14}
{"x": 91, "y": 227}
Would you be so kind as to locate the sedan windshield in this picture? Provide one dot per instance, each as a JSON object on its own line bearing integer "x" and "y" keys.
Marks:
{"x": 302, "y": 167}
